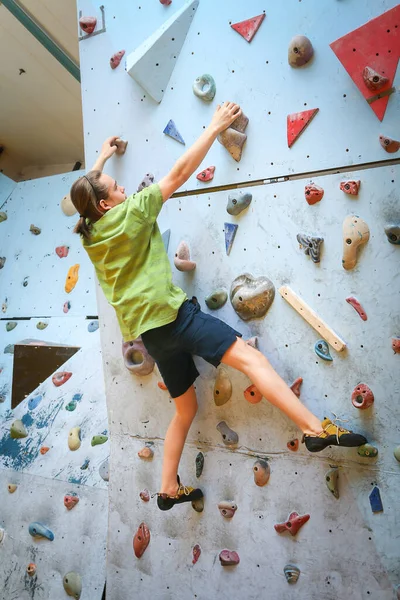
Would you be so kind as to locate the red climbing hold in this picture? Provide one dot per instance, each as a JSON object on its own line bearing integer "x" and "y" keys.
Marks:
{"x": 229, "y": 558}
{"x": 293, "y": 524}
{"x": 206, "y": 175}
{"x": 60, "y": 378}
{"x": 350, "y": 187}
{"x": 293, "y": 445}
{"x": 297, "y": 122}
{"x": 249, "y": 28}
{"x": 141, "y": 540}
{"x": 357, "y": 306}
{"x": 44, "y": 450}
{"x": 162, "y": 386}
{"x": 70, "y": 501}
{"x": 62, "y": 251}
{"x": 396, "y": 345}
{"x": 296, "y": 385}
{"x": 88, "y": 24}
{"x": 196, "y": 553}
{"x": 166, "y": 2}
{"x": 116, "y": 59}
{"x": 313, "y": 193}
{"x": 362, "y": 396}
{"x": 252, "y": 395}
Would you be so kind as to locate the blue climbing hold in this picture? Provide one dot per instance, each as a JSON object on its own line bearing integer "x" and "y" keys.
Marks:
{"x": 9, "y": 349}
{"x": 85, "y": 464}
{"x": 93, "y": 326}
{"x": 34, "y": 402}
{"x": 375, "y": 500}
{"x": 322, "y": 349}
{"x": 172, "y": 131}
{"x": 39, "y": 530}
{"x": 230, "y": 232}
{"x": 77, "y": 397}
{"x": 165, "y": 238}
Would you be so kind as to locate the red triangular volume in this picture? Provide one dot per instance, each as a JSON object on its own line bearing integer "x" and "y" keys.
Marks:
{"x": 376, "y": 45}
{"x": 249, "y": 28}
{"x": 297, "y": 122}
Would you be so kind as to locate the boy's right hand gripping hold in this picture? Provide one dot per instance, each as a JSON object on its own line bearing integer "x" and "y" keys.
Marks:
{"x": 224, "y": 116}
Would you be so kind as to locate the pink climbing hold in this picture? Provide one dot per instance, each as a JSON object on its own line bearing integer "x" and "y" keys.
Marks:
{"x": 196, "y": 553}
{"x": 66, "y": 307}
{"x": 116, "y": 59}
{"x": 206, "y": 175}
{"x": 396, "y": 345}
{"x": 362, "y": 396}
{"x": 145, "y": 495}
{"x": 62, "y": 251}
{"x": 248, "y": 29}
{"x": 88, "y": 24}
{"x": 60, "y": 378}
{"x": 293, "y": 524}
{"x": 296, "y": 385}
{"x": 166, "y": 2}
{"x": 357, "y": 306}
{"x": 313, "y": 193}
{"x": 228, "y": 558}
{"x": 146, "y": 453}
{"x": 70, "y": 501}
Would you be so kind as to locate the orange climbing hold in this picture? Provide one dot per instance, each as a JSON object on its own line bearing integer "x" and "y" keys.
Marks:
{"x": 252, "y": 395}
{"x": 72, "y": 278}
{"x": 293, "y": 445}
{"x": 297, "y": 122}
{"x": 162, "y": 386}
{"x": 60, "y": 378}
{"x": 248, "y": 29}
{"x": 44, "y": 449}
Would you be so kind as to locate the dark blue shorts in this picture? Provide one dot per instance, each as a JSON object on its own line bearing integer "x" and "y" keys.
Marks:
{"x": 192, "y": 332}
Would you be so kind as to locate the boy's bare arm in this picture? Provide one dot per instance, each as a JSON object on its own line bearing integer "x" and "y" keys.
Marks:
{"x": 190, "y": 161}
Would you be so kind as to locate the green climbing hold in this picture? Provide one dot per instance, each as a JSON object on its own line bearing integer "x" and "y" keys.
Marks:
{"x": 99, "y": 439}
{"x": 217, "y": 299}
{"x": 11, "y": 325}
{"x": 3, "y": 216}
{"x": 17, "y": 430}
{"x": 72, "y": 583}
{"x": 396, "y": 453}
{"x": 71, "y": 406}
{"x": 331, "y": 479}
{"x": 41, "y": 325}
{"x": 367, "y": 450}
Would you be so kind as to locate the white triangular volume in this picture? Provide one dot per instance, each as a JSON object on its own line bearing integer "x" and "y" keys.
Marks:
{"x": 151, "y": 64}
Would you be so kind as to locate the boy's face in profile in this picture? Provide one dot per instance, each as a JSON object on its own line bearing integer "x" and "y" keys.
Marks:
{"x": 116, "y": 193}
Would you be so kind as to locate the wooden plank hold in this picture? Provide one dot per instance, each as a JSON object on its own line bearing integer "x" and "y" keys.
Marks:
{"x": 312, "y": 318}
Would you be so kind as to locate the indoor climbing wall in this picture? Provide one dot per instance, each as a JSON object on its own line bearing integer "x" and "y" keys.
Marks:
{"x": 327, "y": 242}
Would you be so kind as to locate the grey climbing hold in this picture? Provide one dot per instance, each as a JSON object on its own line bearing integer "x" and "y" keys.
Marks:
{"x": 311, "y": 245}
{"x": 104, "y": 470}
{"x": 39, "y": 530}
{"x": 198, "y": 505}
{"x": 204, "y": 87}
{"x": 72, "y": 583}
{"x": 229, "y": 437}
{"x": 238, "y": 202}
{"x": 2, "y": 261}
{"x": 300, "y": 51}
{"x": 332, "y": 481}
{"x": 292, "y": 573}
{"x": 199, "y": 464}
{"x": 227, "y": 509}
{"x": 233, "y": 138}
{"x": 2, "y": 535}
{"x": 147, "y": 180}
{"x": 11, "y": 325}
{"x": 9, "y": 349}
{"x": 93, "y": 326}
{"x": 217, "y": 299}
{"x": 253, "y": 342}
{"x": 393, "y": 233}
{"x": 182, "y": 258}
{"x": 396, "y": 453}
{"x": 137, "y": 360}
{"x": 322, "y": 350}
{"x": 222, "y": 387}
{"x": 25, "y": 281}
{"x": 17, "y": 430}
{"x": 3, "y": 216}
{"x": 251, "y": 297}
{"x": 35, "y": 230}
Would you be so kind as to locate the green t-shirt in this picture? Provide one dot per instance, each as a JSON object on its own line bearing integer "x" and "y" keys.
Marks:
{"x": 132, "y": 266}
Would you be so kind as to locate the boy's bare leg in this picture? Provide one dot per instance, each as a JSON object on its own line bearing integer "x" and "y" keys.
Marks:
{"x": 250, "y": 361}
{"x": 186, "y": 408}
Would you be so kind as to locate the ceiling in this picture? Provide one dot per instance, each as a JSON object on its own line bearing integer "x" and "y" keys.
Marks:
{"x": 41, "y": 127}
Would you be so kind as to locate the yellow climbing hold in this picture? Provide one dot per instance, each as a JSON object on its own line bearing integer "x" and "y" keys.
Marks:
{"x": 12, "y": 487}
{"x": 74, "y": 438}
{"x": 17, "y": 430}
{"x": 72, "y": 278}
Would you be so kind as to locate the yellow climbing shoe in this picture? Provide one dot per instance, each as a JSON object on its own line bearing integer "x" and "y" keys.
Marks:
{"x": 332, "y": 435}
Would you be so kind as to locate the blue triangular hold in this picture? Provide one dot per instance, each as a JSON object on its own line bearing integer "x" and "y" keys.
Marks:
{"x": 165, "y": 238}
{"x": 230, "y": 232}
{"x": 171, "y": 130}
{"x": 375, "y": 500}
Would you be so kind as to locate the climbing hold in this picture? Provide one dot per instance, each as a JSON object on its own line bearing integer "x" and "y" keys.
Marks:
{"x": 233, "y": 138}
{"x": 227, "y": 509}
{"x": 252, "y": 394}
{"x": 230, "y": 230}
{"x": 311, "y": 245}
{"x": 373, "y": 80}
{"x": 395, "y": 345}
{"x": 114, "y": 63}
{"x": 98, "y": 439}
{"x": 293, "y": 524}
{"x": 3, "y": 217}
{"x": 44, "y": 450}
{"x": 72, "y": 583}
{"x": 204, "y": 87}
{"x": 228, "y": 558}
{"x": 388, "y": 144}
{"x": 362, "y": 396}
{"x": 141, "y": 540}
{"x": 41, "y": 325}
{"x": 222, "y": 387}
{"x": 85, "y": 464}
{"x": 198, "y": 505}
{"x": 375, "y": 500}
{"x": 172, "y": 131}
{"x": 297, "y": 122}
{"x": 322, "y": 350}
{"x": 74, "y": 438}
{"x": 262, "y": 472}
{"x": 367, "y": 450}
{"x": 25, "y": 281}
{"x": 166, "y": 2}
{"x": 120, "y": 144}
{"x": 2, "y": 261}
{"x": 4, "y": 307}
{"x": 217, "y": 299}
{"x": 292, "y": 573}
{"x": 253, "y": 342}
{"x": 332, "y": 481}
{"x": 70, "y": 501}
{"x": 355, "y": 234}
{"x": 12, "y": 487}
{"x": 11, "y": 325}
{"x": 104, "y": 470}
{"x": 393, "y": 233}
{"x": 34, "y": 402}
{"x": 17, "y": 430}
{"x": 31, "y": 569}
{"x": 350, "y": 187}
{"x": 60, "y": 378}
{"x": 199, "y": 464}
{"x": 313, "y": 193}
{"x": 147, "y": 180}
{"x": 2, "y": 535}
{"x": 71, "y": 406}
{"x": 300, "y": 51}
{"x": 72, "y": 278}
{"x": 145, "y": 495}
{"x": 293, "y": 445}
{"x": 39, "y": 530}
{"x": 229, "y": 437}
{"x": 196, "y": 553}
{"x": 35, "y": 230}
{"x": 296, "y": 385}
{"x": 67, "y": 207}
{"x": 357, "y": 306}
{"x": 206, "y": 175}
{"x": 93, "y": 326}
{"x": 9, "y": 349}
{"x": 251, "y": 297}
{"x": 62, "y": 251}
{"x": 137, "y": 360}
{"x": 66, "y": 306}
{"x": 146, "y": 452}
{"x": 396, "y": 453}
{"x": 162, "y": 386}
{"x": 248, "y": 29}
{"x": 182, "y": 258}
{"x": 238, "y": 202}
{"x": 87, "y": 24}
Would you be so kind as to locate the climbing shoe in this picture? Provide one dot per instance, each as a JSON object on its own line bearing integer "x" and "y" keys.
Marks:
{"x": 332, "y": 435}
{"x": 184, "y": 494}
